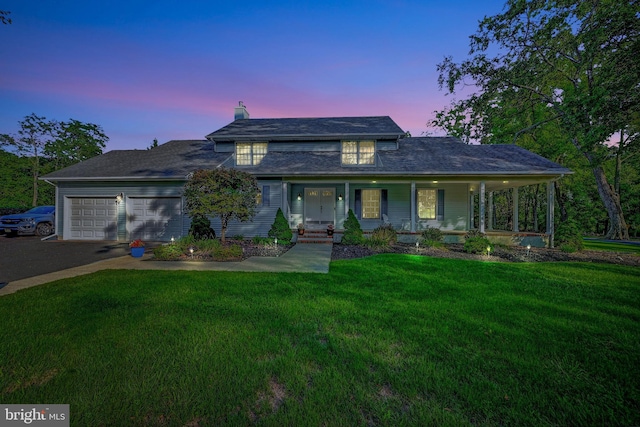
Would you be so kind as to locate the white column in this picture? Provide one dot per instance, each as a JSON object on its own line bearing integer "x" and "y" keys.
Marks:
{"x": 346, "y": 199}
{"x": 515, "y": 210}
{"x": 482, "y": 207}
{"x": 490, "y": 211}
{"x": 550, "y": 211}
{"x": 413, "y": 206}
{"x": 471, "y": 209}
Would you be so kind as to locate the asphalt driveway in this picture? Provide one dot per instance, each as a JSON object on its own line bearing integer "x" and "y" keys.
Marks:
{"x": 28, "y": 256}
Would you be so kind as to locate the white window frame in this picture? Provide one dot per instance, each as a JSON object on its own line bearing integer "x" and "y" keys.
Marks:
{"x": 355, "y": 153}
{"x": 430, "y": 196}
{"x": 371, "y": 200}
{"x": 256, "y": 151}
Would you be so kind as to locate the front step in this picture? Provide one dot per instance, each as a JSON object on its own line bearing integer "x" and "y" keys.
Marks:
{"x": 314, "y": 236}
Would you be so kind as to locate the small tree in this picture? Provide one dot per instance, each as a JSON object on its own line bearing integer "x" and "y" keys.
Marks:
{"x": 352, "y": 232}
{"x": 280, "y": 228}
{"x": 228, "y": 193}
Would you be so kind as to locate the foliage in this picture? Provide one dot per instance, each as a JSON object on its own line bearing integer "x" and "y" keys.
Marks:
{"x": 353, "y": 234}
{"x": 258, "y": 240}
{"x": 280, "y": 228}
{"x": 168, "y": 252}
{"x": 393, "y": 338}
{"x": 4, "y": 17}
{"x": 228, "y": 193}
{"x": 568, "y": 236}
{"x": 383, "y": 236}
{"x": 201, "y": 228}
{"x": 477, "y": 245}
{"x": 570, "y": 66}
{"x": 432, "y": 236}
{"x": 238, "y": 237}
{"x": 48, "y": 145}
{"x": 227, "y": 252}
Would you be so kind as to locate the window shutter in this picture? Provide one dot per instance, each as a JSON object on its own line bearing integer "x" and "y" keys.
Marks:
{"x": 440, "y": 214}
{"x": 384, "y": 210}
{"x": 357, "y": 204}
{"x": 266, "y": 193}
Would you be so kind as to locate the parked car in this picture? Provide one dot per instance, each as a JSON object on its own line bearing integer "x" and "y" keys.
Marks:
{"x": 38, "y": 220}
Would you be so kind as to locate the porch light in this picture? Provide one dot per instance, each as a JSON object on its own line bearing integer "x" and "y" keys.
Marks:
{"x": 119, "y": 198}
{"x": 340, "y": 197}
{"x": 299, "y": 196}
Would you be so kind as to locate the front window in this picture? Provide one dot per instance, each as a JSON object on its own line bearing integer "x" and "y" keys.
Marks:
{"x": 427, "y": 201}
{"x": 370, "y": 204}
{"x": 358, "y": 152}
{"x": 250, "y": 153}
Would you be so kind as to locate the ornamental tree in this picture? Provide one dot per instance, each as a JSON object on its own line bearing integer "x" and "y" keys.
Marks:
{"x": 229, "y": 194}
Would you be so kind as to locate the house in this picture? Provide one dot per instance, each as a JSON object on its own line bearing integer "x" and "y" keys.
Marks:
{"x": 315, "y": 169}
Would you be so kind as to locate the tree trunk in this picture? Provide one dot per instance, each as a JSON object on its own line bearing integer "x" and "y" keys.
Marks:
{"x": 536, "y": 202}
{"x": 617, "y": 226}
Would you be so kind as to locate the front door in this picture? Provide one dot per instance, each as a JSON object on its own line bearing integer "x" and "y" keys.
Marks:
{"x": 320, "y": 206}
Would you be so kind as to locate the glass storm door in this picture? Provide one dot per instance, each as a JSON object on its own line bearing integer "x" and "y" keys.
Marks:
{"x": 320, "y": 205}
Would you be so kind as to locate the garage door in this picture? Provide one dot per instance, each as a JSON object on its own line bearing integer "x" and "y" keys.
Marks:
{"x": 93, "y": 219}
{"x": 154, "y": 219}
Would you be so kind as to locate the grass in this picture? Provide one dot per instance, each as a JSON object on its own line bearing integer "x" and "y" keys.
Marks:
{"x": 386, "y": 340}
{"x": 599, "y": 245}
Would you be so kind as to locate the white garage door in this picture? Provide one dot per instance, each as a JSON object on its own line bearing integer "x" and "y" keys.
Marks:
{"x": 93, "y": 219}
{"x": 154, "y": 219}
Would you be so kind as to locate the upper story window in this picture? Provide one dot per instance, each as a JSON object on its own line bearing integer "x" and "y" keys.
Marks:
{"x": 250, "y": 153}
{"x": 358, "y": 152}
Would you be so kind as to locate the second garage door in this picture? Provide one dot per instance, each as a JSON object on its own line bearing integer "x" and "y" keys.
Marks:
{"x": 154, "y": 219}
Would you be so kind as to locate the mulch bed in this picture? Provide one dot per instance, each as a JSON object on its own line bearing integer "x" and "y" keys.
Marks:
{"x": 500, "y": 254}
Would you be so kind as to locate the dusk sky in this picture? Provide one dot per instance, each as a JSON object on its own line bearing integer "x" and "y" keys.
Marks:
{"x": 176, "y": 69}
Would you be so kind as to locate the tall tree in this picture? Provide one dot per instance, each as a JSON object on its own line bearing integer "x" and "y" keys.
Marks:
{"x": 573, "y": 62}
{"x": 34, "y": 134}
{"x": 73, "y": 142}
{"x": 4, "y": 17}
{"x": 229, "y": 194}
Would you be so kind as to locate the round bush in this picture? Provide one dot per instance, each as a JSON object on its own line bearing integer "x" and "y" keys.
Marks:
{"x": 477, "y": 245}
{"x": 201, "y": 228}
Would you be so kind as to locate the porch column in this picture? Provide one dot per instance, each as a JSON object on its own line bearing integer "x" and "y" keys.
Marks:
{"x": 490, "y": 211}
{"x": 472, "y": 199}
{"x": 482, "y": 206}
{"x": 346, "y": 199}
{"x": 515, "y": 210}
{"x": 284, "y": 201}
{"x": 413, "y": 207}
{"x": 550, "y": 211}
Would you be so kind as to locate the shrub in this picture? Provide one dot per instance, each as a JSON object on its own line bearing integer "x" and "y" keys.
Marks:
{"x": 569, "y": 236}
{"x": 383, "y": 236}
{"x": 238, "y": 237}
{"x": 227, "y": 253}
{"x": 201, "y": 228}
{"x": 432, "y": 236}
{"x": 167, "y": 252}
{"x": 352, "y": 232}
{"x": 262, "y": 240}
{"x": 280, "y": 228}
{"x": 477, "y": 245}
{"x": 207, "y": 244}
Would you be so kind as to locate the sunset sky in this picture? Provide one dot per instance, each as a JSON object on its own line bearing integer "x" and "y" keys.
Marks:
{"x": 175, "y": 69}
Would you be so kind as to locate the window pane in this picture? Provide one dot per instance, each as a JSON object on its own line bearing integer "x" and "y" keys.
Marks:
{"x": 426, "y": 204}
{"x": 370, "y": 204}
{"x": 349, "y": 152}
{"x": 367, "y": 153}
{"x": 259, "y": 151}
{"x": 243, "y": 154}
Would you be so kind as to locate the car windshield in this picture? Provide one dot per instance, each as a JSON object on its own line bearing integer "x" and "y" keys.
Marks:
{"x": 41, "y": 210}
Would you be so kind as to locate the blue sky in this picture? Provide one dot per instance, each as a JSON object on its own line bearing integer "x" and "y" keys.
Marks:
{"x": 175, "y": 69}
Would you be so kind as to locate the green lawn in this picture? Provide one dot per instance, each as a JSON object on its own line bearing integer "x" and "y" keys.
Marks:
{"x": 599, "y": 245}
{"x": 386, "y": 340}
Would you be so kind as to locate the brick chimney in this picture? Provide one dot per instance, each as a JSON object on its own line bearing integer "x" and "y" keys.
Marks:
{"x": 241, "y": 112}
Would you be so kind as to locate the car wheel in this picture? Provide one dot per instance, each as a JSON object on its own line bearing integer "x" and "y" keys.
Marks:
{"x": 44, "y": 229}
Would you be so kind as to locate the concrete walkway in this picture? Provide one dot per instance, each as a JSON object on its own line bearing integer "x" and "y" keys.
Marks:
{"x": 302, "y": 258}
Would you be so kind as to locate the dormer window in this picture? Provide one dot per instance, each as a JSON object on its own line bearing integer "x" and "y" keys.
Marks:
{"x": 250, "y": 153}
{"x": 358, "y": 152}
